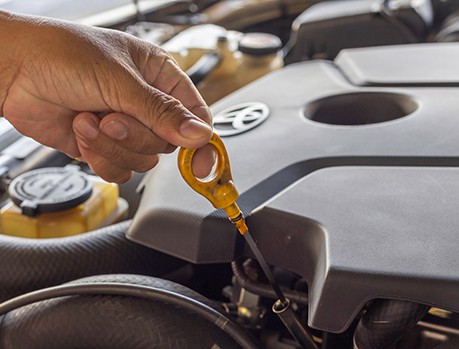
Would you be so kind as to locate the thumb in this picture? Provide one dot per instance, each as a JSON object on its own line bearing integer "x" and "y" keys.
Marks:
{"x": 167, "y": 117}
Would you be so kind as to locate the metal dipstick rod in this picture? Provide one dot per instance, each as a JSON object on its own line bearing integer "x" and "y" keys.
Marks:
{"x": 266, "y": 269}
{"x": 220, "y": 190}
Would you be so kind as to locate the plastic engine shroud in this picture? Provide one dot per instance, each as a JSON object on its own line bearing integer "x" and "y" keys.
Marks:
{"x": 362, "y": 211}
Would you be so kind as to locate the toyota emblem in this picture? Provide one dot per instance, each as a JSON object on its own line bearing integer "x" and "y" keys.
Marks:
{"x": 240, "y": 118}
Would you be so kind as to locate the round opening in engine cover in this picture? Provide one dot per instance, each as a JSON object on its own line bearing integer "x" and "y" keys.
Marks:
{"x": 360, "y": 108}
{"x": 48, "y": 190}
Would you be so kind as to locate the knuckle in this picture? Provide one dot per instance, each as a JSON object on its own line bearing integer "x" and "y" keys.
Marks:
{"x": 114, "y": 152}
{"x": 149, "y": 144}
{"x": 161, "y": 53}
{"x": 124, "y": 177}
{"x": 171, "y": 63}
{"x": 154, "y": 145}
{"x": 117, "y": 178}
{"x": 148, "y": 164}
{"x": 170, "y": 148}
{"x": 158, "y": 54}
{"x": 165, "y": 108}
{"x": 115, "y": 175}
{"x": 99, "y": 165}
{"x": 109, "y": 171}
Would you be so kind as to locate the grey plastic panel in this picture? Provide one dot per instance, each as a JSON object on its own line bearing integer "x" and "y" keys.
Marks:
{"x": 269, "y": 163}
{"x": 403, "y": 65}
{"x": 366, "y": 232}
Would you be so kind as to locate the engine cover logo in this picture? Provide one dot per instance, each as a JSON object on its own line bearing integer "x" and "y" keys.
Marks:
{"x": 240, "y": 118}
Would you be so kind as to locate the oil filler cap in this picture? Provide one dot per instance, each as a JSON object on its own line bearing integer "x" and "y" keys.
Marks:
{"x": 48, "y": 190}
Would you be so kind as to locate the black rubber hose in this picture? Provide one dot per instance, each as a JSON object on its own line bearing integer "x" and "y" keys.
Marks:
{"x": 386, "y": 322}
{"x": 152, "y": 313}
{"x": 31, "y": 264}
{"x": 262, "y": 289}
{"x": 203, "y": 67}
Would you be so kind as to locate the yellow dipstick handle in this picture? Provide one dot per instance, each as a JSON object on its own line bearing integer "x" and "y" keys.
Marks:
{"x": 219, "y": 187}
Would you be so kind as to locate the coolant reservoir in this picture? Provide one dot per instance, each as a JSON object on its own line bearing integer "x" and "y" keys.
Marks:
{"x": 257, "y": 55}
{"x": 223, "y": 79}
{"x": 57, "y": 202}
{"x": 243, "y": 57}
{"x": 191, "y": 44}
{"x": 260, "y": 55}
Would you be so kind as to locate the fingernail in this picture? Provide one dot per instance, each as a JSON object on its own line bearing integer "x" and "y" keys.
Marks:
{"x": 87, "y": 128}
{"x": 115, "y": 130}
{"x": 194, "y": 129}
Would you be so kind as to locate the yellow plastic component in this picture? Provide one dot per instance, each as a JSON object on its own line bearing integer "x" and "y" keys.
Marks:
{"x": 236, "y": 69}
{"x": 219, "y": 188}
{"x": 92, "y": 214}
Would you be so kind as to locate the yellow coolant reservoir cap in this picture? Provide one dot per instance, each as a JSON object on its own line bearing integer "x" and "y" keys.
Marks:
{"x": 49, "y": 190}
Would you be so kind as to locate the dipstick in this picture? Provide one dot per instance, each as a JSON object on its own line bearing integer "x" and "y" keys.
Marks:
{"x": 220, "y": 190}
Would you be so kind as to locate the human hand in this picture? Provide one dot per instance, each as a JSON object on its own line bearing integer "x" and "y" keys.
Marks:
{"x": 60, "y": 77}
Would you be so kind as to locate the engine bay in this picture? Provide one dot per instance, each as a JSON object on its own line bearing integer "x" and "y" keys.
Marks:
{"x": 340, "y": 120}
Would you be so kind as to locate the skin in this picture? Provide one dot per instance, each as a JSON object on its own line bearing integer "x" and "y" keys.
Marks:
{"x": 99, "y": 95}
